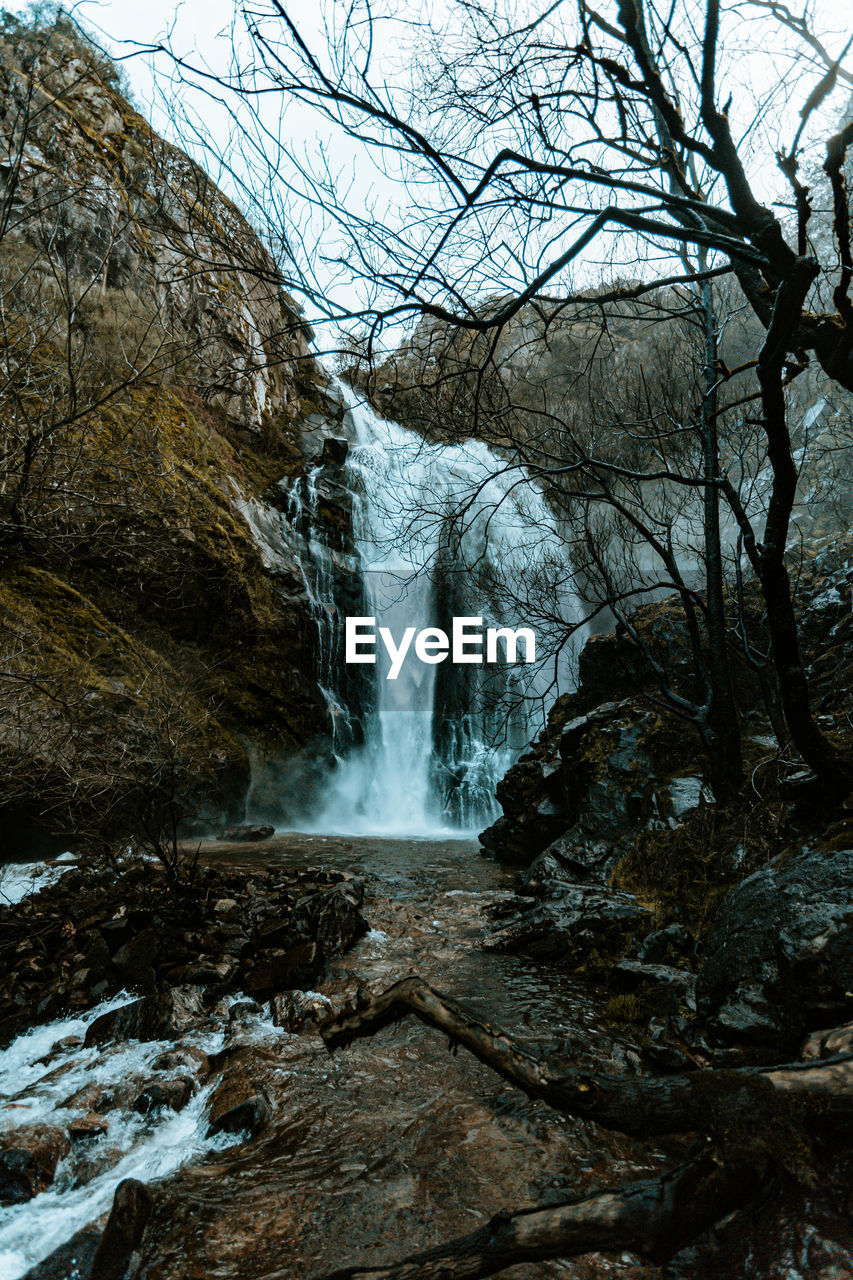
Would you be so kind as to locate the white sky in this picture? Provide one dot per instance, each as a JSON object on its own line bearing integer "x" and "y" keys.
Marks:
{"x": 200, "y": 30}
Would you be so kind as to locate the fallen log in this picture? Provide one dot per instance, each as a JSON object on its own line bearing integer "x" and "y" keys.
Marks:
{"x": 754, "y": 1125}
{"x": 705, "y": 1100}
{"x": 653, "y": 1218}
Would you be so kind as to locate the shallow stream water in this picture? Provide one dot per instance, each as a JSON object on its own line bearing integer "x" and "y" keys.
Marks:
{"x": 381, "y": 1149}
{"x": 395, "y": 1144}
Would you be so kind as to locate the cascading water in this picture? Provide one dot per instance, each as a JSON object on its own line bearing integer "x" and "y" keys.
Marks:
{"x": 439, "y": 530}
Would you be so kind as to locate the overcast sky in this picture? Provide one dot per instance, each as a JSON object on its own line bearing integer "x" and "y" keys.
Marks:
{"x": 200, "y": 30}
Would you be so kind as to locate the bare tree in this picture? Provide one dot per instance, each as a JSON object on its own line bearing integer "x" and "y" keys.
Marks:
{"x": 527, "y": 143}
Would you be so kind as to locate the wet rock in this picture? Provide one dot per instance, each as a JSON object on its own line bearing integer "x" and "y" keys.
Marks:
{"x": 85, "y": 1128}
{"x": 666, "y": 986}
{"x": 587, "y": 784}
{"x": 571, "y": 922}
{"x": 28, "y": 1160}
{"x": 238, "y": 1103}
{"x": 683, "y": 795}
{"x": 203, "y": 974}
{"x": 172, "y": 1094}
{"x": 332, "y": 917}
{"x": 157, "y": 1017}
{"x": 183, "y": 1056}
{"x": 568, "y": 862}
{"x": 274, "y": 970}
{"x": 242, "y": 1010}
{"x": 335, "y": 450}
{"x": 132, "y": 1205}
{"x": 828, "y": 1043}
{"x": 248, "y": 831}
{"x": 299, "y": 1011}
{"x": 673, "y": 939}
{"x": 71, "y": 1260}
{"x": 780, "y": 959}
{"x": 99, "y": 1098}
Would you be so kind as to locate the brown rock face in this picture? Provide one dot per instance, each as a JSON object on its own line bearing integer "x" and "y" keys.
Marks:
{"x": 155, "y": 1017}
{"x": 239, "y": 1103}
{"x": 28, "y": 1160}
{"x": 126, "y": 1224}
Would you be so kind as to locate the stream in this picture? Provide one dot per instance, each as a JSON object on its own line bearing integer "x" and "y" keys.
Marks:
{"x": 389, "y": 1146}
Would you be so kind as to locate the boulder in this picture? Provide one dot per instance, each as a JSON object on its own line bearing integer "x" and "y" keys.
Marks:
{"x": 28, "y": 1160}
{"x": 171, "y": 1094}
{"x": 780, "y": 960}
{"x": 299, "y": 1011}
{"x": 274, "y": 970}
{"x": 335, "y": 450}
{"x": 248, "y": 831}
{"x": 239, "y": 1104}
{"x": 183, "y": 1057}
{"x": 568, "y": 862}
{"x": 164, "y": 1016}
{"x": 828, "y": 1043}
{"x": 86, "y": 1128}
{"x": 332, "y": 917}
{"x": 570, "y": 922}
{"x": 132, "y": 1205}
{"x": 664, "y": 986}
{"x": 673, "y": 939}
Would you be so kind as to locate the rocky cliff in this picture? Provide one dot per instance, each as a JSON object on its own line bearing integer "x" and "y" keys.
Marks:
{"x": 159, "y": 400}
{"x": 727, "y": 924}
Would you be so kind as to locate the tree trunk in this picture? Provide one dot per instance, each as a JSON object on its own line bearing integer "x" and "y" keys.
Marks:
{"x": 815, "y": 748}
{"x": 723, "y": 738}
{"x": 748, "y": 1099}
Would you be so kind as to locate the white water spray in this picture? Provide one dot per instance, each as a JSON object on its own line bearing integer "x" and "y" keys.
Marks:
{"x": 439, "y": 529}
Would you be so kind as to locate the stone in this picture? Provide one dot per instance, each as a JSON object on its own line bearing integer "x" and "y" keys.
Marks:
{"x": 156, "y": 1017}
{"x": 225, "y": 906}
{"x": 299, "y": 1011}
{"x": 780, "y": 960}
{"x": 828, "y": 1043}
{"x": 335, "y": 450}
{"x": 274, "y": 970}
{"x": 332, "y": 917}
{"x": 665, "y": 986}
{"x": 683, "y": 795}
{"x": 85, "y": 1128}
{"x": 672, "y": 939}
{"x": 28, "y": 1160}
{"x": 567, "y": 861}
{"x": 122, "y": 1235}
{"x": 243, "y": 1009}
{"x": 141, "y": 951}
{"x": 183, "y": 1056}
{"x": 172, "y": 1094}
{"x": 248, "y": 831}
{"x": 238, "y": 1104}
{"x": 570, "y": 922}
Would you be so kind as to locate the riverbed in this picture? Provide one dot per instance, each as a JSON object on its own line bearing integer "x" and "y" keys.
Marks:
{"x": 393, "y": 1144}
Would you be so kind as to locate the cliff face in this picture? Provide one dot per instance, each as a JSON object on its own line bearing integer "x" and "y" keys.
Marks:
{"x": 158, "y": 400}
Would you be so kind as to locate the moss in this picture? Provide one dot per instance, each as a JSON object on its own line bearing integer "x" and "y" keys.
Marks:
{"x": 627, "y": 1007}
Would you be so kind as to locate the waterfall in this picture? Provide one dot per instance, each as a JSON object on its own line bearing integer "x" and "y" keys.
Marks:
{"x": 438, "y": 530}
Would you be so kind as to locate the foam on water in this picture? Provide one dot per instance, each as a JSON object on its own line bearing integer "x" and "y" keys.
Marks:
{"x": 19, "y": 880}
{"x": 34, "y": 1082}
